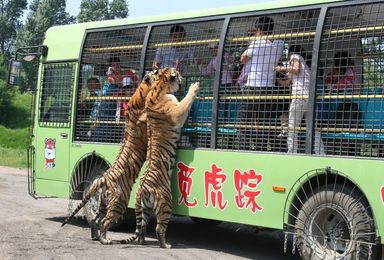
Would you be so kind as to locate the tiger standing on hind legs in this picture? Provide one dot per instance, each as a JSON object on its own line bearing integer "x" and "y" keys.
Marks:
{"x": 118, "y": 180}
{"x": 165, "y": 117}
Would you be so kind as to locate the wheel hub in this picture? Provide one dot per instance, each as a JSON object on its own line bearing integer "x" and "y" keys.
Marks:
{"x": 330, "y": 229}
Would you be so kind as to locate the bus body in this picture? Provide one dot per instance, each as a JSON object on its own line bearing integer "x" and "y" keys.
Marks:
{"x": 215, "y": 177}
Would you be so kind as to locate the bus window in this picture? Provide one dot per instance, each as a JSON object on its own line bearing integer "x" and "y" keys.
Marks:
{"x": 55, "y": 104}
{"x": 112, "y": 59}
{"x": 190, "y": 48}
{"x": 350, "y": 105}
{"x": 254, "y": 113}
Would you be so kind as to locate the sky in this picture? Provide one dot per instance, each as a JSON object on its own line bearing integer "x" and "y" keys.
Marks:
{"x": 139, "y": 8}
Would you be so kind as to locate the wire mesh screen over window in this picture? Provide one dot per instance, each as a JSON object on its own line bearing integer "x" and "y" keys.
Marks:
{"x": 55, "y": 103}
{"x": 110, "y": 68}
{"x": 350, "y": 75}
{"x": 260, "y": 94}
{"x": 192, "y": 49}
{"x": 263, "y": 110}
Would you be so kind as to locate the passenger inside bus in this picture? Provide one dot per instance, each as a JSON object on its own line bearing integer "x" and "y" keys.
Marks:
{"x": 343, "y": 74}
{"x": 299, "y": 75}
{"x": 343, "y": 79}
{"x": 283, "y": 84}
{"x": 103, "y": 109}
{"x": 127, "y": 90}
{"x": 93, "y": 87}
{"x": 226, "y": 81}
{"x": 259, "y": 59}
{"x": 173, "y": 56}
{"x": 228, "y": 65}
{"x": 114, "y": 75}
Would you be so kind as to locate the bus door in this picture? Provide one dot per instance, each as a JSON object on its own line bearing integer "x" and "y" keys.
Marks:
{"x": 53, "y": 129}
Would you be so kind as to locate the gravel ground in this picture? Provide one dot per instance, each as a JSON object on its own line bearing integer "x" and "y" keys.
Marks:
{"x": 30, "y": 229}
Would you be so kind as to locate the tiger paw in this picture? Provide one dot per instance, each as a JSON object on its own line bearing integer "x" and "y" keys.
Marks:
{"x": 165, "y": 246}
{"x": 194, "y": 88}
{"x": 105, "y": 241}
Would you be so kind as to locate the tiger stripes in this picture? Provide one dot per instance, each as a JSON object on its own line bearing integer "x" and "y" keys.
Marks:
{"x": 165, "y": 117}
{"x": 120, "y": 177}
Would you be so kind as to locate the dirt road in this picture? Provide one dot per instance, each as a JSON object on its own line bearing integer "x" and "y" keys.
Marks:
{"x": 30, "y": 229}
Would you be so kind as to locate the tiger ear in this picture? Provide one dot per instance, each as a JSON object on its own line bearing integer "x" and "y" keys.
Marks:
{"x": 149, "y": 76}
{"x": 173, "y": 73}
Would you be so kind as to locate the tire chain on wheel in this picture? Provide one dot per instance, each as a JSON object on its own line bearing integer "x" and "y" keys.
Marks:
{"x": 356, "y": 213}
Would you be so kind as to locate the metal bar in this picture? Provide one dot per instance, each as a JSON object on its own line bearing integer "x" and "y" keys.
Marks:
{"x": 310, "y": 115}
{"x": 144, "y": 50}
{"x": 217, "y": 83}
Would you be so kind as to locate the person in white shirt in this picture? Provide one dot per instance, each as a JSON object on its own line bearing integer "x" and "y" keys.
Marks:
{"x": 259, "y": 61}
{"x": 299, "y": 74}
{"x": 174, "y": 56}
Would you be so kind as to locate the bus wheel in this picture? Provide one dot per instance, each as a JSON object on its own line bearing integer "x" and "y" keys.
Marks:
{"x": 335, "y": 223}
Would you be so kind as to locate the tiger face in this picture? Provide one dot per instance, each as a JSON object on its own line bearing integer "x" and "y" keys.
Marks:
{"x": 171, "y": 79}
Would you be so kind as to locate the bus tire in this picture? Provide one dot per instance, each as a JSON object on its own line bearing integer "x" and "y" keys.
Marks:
{"x": 328, "y": 219}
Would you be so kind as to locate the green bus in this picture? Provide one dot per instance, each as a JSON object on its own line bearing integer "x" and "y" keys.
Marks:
{"x": 326, "y": 194}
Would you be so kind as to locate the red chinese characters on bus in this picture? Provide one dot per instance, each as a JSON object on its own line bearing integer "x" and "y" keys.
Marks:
{"x": 246, "y": 189}
{"x": 214, "y": 181}
{"x": 185, "y": 184}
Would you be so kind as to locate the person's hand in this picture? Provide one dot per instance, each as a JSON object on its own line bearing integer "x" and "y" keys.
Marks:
{"x": 155, "y": 66}
{"x": 111, "y": 80}
{"x": 279, "y": 68}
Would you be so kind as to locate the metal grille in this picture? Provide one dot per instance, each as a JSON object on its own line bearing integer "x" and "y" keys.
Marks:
{"x": 110, "y": 68}
{"x": 258, "y": 101}
{"x": 350, "y": 97}
{"x": 254, "y": 111}
{"x": 55, "y": 102}
{"x": 192, "y": 49}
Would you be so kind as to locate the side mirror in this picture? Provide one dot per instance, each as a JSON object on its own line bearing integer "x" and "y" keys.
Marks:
{"x": 14, "y": 72}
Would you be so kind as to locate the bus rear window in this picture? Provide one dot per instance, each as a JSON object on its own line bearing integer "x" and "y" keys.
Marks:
{"x": 55, "y": 102}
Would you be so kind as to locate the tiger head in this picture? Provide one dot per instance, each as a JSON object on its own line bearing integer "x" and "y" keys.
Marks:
{"x": 151, "y": 77}
{"x": 137, "y": 100}
{"x": 168, "y": 81}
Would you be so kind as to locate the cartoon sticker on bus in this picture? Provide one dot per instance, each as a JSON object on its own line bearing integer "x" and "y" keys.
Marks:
{"x": 50, "y": 152}
{"x": 382, "y": 194}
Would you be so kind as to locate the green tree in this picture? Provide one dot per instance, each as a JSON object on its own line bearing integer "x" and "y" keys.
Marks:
{"x": 118, "y": 9}
{"x": 97, "y": 10}
{"x": 11, "y": 12}
{"x": 42, "y": 15}
{"x": 7, "y": 93}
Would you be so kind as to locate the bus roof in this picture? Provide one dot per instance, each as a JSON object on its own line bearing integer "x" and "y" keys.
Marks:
{"x": 67, "y": 39}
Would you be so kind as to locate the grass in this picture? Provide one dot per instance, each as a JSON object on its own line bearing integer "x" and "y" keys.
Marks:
{"x": 13, "y": 157}
{"x": 14, "y": 132}
{"x": 14, "y": 138}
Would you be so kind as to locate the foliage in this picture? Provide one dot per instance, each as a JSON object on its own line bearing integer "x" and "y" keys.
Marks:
{"x": 96, "y": 10}
{"x": 118, "y": 9}
{"x": 13, "y": 157}
{"x": 373, "y": 65}
{"x": 14, "y": 113}
{"x": 42, "y": 15}
{"x": 14, "y": 107}
{"x": 14, "y": 138}
{"x": 11, "y": 13}
{"x": 7, "y": 93}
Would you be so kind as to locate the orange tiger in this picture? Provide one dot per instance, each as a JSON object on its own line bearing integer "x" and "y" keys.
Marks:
{"x": 165, "y": 117}
{"x": 120, "y": 177}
